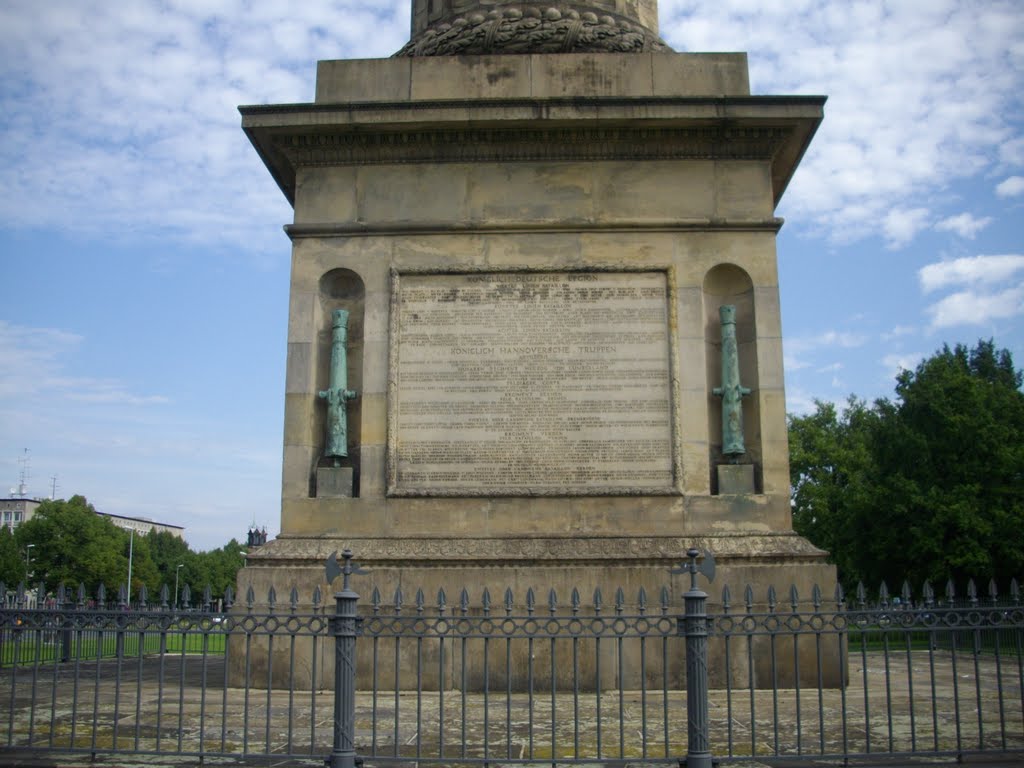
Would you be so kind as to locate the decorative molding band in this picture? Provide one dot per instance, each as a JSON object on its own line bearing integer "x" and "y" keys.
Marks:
{"x": 356, "y": 229}
{"x": 532, "y": 144}
{"x": 583, "y": 550}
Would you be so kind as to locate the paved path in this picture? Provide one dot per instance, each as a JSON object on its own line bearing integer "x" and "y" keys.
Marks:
{"x": 182, "y": 708}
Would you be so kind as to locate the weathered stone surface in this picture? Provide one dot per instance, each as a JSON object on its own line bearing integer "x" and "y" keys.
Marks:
{"x": 612, "y": 168}
{"x": 735, "y": 479}
{"x": 334, "y": 482}
{"x": 460, "y": 28}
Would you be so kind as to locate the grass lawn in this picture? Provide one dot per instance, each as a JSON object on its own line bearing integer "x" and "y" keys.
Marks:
{"x": 31, "y": 646}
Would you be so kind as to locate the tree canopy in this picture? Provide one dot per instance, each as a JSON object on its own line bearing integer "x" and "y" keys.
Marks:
{"x": 927, "y": 486}
{"x": 72, "y": 544}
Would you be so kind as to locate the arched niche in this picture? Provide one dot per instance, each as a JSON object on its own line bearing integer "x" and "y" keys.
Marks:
{"x": 340, "y": 289}
{"x": 730, "y": 284}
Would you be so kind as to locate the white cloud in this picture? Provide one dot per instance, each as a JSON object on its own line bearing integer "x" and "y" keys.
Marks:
{"x": 964, "y": 224}
{"x": 900, "y": 361}
{"x": 901, "y": 225}
{"x": 897, "y": 331}
{"x": 796, "y": 348}
{"x": 826, "y": 339}
{"x": 34, "y": 370}
{"x": 970, "y": 271}
{"x": 902, "y": 123}
{"x": 119, "y": 113}
{"x": 799, "y": 402}
{"x": 1012, "y": 152}
{"x": 1010, "y": 187}
{"x": 977, "y": 308}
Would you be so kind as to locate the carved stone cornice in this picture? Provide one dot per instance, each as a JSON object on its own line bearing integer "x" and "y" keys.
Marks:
{"x": 542, "y": 551}
{"x": 476, "y": 145}
{"x": 549, "y": 129}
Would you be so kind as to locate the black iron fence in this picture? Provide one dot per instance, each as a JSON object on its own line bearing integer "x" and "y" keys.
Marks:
{"x": 651, "y": 678}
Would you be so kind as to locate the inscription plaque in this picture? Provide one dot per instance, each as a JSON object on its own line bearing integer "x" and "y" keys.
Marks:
{"x": 531, "y": 383}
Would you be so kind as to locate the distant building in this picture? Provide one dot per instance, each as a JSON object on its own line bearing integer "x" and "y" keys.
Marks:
{"x": 143, "y": 525}
{"x": 15, "y": 510}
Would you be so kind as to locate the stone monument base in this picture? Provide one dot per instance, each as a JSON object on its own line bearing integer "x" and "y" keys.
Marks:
{"x": 586, "y": 563}
{"x": 334, "y": 482}
{"x": 735, "y": 479}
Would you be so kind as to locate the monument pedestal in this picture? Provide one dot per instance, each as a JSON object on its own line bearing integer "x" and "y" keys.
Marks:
{"x": 533, "y": 251}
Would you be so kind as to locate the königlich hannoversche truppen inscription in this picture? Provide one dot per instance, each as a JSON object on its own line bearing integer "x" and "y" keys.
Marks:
{"x": 531, "y": 383}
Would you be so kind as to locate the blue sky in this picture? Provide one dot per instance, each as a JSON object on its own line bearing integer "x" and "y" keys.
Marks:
{"x": 145, "y": 271}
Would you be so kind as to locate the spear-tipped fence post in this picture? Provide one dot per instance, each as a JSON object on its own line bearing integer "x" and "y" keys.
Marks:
{"x": 693, "y": 625}
{"x": 344, "y": 626}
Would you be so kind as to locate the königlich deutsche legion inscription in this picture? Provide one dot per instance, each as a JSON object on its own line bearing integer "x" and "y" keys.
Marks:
{"x": 530, "y": 383}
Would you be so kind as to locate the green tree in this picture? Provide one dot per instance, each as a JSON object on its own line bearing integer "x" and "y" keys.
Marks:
{"x": 167, "y": 551}
{"x": 216, "y": 569}
{"x": 927, "y": 486}
{"x": 832, "y": 472}
{"x": 12, "y": 559}
{"x": 954, "y": 453}
{"x": 72, "y": 544}
{"x": 144, "y": 570}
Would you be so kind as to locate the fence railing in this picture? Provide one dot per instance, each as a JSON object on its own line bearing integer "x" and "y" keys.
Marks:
{"x": 657, "y": 678}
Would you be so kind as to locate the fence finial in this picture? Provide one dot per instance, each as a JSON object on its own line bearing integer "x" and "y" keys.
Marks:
{"x": 334, "y": 570}
{"x": 707, "y": 566}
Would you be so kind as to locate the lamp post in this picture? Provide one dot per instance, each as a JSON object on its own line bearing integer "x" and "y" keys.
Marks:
{"x": 180, "y": 566}
{"x": 131, "y": 556}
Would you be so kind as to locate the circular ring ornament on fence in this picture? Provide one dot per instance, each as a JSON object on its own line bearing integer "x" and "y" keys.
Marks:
{"x": 250, "y": 624}
{"x": 907, "y": 619}
{"x": 838, "y": 622}
{"x": 816, "y": 622}
{"x": 974, "y": 618}
{"x": 272, "y": 624}
{"x": 929, "y": 620}
{"x": 620, "y": 627}
{"x": 772, "y": 623}
{"x": 531, "y": 627}
{"x": 486, "y": 627}
{"x": 996, "y": 618}
{"x": 642, "y": 625}
{"x": 794, "y": 623}
{"x": 952, "y": 619}
{"x": 666, "y": 626}
{"x": 420, "y": 627}
{"x": 553, "y": 627}
{"x": 597, "y": 625}
{"x": 442, "y": 627}
{"x": 509, "y": 627}
{"x": 575, "y": 627}
{"x": 749, "y": 624}
{"x": 464, "y": 627}
{"x": 293, "y": 625}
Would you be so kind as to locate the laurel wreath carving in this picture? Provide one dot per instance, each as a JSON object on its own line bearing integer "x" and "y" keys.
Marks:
{"x": 533, "y": 29}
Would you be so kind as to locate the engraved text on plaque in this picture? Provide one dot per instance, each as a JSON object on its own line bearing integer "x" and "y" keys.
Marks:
{"x": 523, "y": 383}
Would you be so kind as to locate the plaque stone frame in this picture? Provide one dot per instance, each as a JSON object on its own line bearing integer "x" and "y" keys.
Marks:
{"x": 658, "y": 433}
